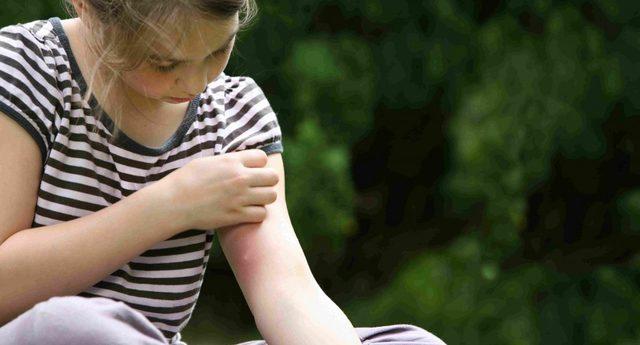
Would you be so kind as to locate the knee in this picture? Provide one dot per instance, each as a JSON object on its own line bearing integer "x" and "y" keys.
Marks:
{"x": 398, "y": 334}
{"x": 79, "y": 320}
{"x": 421, "y": 336}
{"x": 74, "y": 311}
{"x": 72, "y": 305}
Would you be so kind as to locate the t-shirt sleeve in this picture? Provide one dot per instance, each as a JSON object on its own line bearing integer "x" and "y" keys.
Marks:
{"x": 251, "y": 123}
{"x": 28, "y": 90}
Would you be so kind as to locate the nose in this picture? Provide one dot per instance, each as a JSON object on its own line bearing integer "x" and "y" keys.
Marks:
{"x": 194, "y": 80}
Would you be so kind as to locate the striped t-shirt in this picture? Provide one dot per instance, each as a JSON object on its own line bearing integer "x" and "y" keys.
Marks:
{"x": 41, "y": 88}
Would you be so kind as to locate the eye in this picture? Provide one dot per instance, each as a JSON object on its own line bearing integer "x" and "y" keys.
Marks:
{"x": 165, "y": 69}
{"x": 168, "y": 68}
{"x": 223, "y": 51}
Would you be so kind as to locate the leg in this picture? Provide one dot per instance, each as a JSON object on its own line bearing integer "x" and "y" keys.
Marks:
{"x": 397, "y": 335}
{"x": 387, "y": 335}
{"x": 74, "y": 320}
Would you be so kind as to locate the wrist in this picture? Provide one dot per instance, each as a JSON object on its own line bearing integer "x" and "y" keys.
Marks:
{"x": 159, "y": 208}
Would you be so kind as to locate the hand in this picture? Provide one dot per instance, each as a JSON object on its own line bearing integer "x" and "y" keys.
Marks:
{"x": 212, "y": 192}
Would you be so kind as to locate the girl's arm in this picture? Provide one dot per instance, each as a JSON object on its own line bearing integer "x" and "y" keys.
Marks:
{"x": 287, "y": 303}
{"x": 68, "y": 257}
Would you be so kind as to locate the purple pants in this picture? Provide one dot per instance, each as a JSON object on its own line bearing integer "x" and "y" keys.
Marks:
{"x": 73, "y": 320}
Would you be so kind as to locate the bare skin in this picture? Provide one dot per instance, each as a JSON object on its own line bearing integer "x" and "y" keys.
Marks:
{"x": 241, "y": 194}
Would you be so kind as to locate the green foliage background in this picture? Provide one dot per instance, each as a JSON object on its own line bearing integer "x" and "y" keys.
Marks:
{"x": 502, "y": 118}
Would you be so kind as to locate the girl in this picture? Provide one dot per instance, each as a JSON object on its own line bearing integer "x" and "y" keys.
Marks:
{"x": 124, "y": 147}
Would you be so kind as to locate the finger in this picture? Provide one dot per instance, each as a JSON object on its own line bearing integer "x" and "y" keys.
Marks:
{"x": 254, "y": 214}
{"x": 262, "y": 177}
{"x": 261, "y": 196}
{"x": 253, "y": 158}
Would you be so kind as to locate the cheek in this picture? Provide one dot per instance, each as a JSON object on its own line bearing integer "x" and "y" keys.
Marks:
{"x": 218, "y": 66}
{"x": 225, "y": 63}
{"x": 148, "y": 84}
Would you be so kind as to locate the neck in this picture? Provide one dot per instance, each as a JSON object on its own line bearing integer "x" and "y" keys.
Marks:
{"x": 118, "y": 98}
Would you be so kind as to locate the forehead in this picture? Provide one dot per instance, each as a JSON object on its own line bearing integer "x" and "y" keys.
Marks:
{"x": 197, "y": 38}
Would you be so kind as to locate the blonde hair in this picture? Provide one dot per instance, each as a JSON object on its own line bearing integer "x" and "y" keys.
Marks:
{"x": 122, "y": 33}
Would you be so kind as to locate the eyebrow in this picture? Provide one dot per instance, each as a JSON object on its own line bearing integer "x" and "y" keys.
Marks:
{"x": 174, "y": 60}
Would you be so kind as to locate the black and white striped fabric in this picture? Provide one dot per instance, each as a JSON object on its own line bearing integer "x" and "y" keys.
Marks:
{"x": 41, "y": 88}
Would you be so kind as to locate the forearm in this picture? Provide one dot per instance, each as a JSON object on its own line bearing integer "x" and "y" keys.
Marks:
{"x": 299, "y": 314}
{"x": 69, "y": 257}
{"x": 288, "y": 305}
{"x": 271, "y": 269}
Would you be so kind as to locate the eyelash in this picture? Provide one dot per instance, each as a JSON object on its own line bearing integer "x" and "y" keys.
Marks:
{"x": 165, "y": 69}
{"x": 169, "y": 68}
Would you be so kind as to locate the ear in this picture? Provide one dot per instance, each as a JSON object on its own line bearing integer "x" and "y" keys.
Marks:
{"x": 79, "y": 6}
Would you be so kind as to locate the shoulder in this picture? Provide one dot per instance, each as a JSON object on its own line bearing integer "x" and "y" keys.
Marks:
{"x": 243, "y": 90}
{"x": 243, "y": 98}
{"x": 227, "y": 88}
{"x": 31, "y": 61}
{"x": 247, "y": 119}
{"x": 29, "y": 52}
{"x": 30, "y": 91}
{"x": 235, "y": 95}
{"x": 32, "y": 39}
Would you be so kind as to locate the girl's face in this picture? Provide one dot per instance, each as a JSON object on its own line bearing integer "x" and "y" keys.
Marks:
{"x": 182, "y": 70}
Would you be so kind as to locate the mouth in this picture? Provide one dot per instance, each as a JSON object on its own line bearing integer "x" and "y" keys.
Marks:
{"x": 179, "y": 100}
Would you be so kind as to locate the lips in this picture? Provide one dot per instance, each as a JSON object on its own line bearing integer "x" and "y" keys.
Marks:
{"x": 180, "y": 100}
